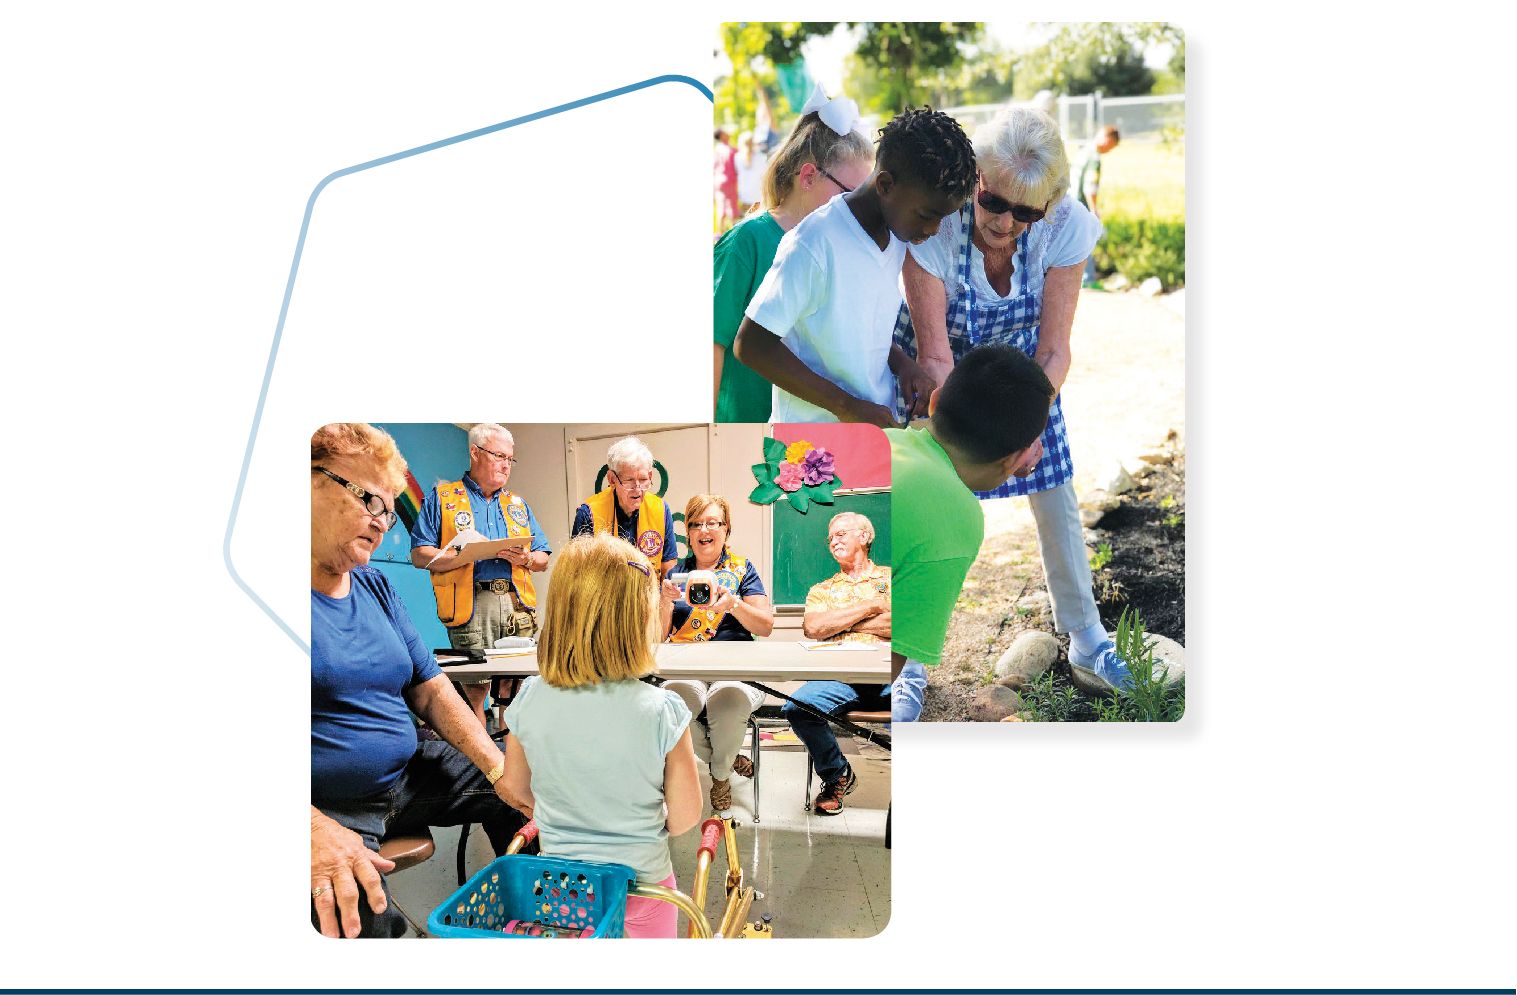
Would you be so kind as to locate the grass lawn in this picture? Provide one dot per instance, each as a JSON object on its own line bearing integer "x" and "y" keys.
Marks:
{"x": 1144, "y": 180}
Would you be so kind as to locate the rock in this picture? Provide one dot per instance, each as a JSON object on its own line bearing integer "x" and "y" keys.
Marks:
{"x": 1036, "y": 603}
{"x": 1116, "y": 282}
{"x": 1170, "y": 654}
{"x": 1157, "y": 457}
{"x": 1121, "y": 481}
{"x": 1028, "y": 658}
{"x": 1014, "y": 717}
{"x": 993, "y": 703}
{"x": 1152, "y": 287}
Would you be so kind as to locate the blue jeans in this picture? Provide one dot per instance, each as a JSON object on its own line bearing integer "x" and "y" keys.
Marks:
{"x": 439, "y": 787}
{"x": 833, "y": 698}
{"x": 907, "y": 693}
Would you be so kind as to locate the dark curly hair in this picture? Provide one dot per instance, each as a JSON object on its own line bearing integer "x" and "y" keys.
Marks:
{"x": 928, "y": 148}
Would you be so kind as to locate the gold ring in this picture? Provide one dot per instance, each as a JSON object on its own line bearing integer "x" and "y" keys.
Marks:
{"x": 318, "y": 892}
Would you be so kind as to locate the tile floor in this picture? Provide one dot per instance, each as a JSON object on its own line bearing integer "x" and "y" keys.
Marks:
{"x": 818, "y": 876}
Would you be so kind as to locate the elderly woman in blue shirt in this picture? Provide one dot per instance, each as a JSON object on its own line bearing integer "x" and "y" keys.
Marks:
{"x": 370, "y": 775}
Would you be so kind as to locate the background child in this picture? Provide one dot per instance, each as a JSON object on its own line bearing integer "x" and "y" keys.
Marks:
{"x": 819, "y": 328}
{"x": 602, "y": 761}
{"x": 816, "y": 163}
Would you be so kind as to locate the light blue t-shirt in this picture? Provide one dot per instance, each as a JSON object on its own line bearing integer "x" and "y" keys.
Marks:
{"x": 597, "y": 757}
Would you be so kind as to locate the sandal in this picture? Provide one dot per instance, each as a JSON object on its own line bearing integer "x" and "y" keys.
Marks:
{"x": 721, "y": 795}
{"x": 742, "y": 766}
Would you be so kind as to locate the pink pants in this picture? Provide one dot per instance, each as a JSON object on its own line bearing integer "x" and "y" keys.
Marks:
{"x": 650, "y": 919}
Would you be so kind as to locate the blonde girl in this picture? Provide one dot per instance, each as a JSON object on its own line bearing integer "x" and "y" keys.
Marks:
{"x": 824, "y": 156}
{"x": 601, "y": 760}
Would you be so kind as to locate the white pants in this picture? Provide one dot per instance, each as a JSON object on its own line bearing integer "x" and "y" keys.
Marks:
{"x": 1066, "y": 565}
{"x": 728, "y": 705}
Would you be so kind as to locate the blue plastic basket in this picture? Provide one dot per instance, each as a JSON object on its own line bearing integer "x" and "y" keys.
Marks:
{"x": 563, "y": 898}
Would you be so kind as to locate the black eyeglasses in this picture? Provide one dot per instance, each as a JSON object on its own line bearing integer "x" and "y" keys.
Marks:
{"x": 501, "y": 457}
{"x": 996, "y": 204}
{"x": 372, "y": 503}
{"x": 841, "y": 185}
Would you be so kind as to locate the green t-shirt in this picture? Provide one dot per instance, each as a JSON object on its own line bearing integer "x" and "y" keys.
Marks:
{"x": 742, "y": 256}
{"x": 936, "y": 528}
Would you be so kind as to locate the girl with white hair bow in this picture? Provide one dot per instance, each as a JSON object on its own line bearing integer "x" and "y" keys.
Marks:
{"x": 824, "y": 156}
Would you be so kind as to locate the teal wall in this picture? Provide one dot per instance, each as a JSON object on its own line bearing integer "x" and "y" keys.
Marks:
{"x": 434, "y": 452}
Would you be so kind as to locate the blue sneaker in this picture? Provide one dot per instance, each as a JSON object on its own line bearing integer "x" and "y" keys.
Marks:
{"x": 1103, "y": 667}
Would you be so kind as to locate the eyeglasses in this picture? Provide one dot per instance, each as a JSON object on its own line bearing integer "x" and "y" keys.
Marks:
{"x": 641, "y": 567}
{"x": 372, "y": 503}
{"x": 841, "y": 185}
{"x": 640, "y": 485}
{"x": 997, "y": 204}
{"x": 705, "y": 526}
{"x": 499, "y": 457}
{"x": 842, "y": 532}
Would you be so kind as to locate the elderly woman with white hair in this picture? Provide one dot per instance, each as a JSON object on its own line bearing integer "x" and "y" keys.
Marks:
{"x": 1006, "y": 269}
{"x": 852, "y": 606}
{"x": 630, "y": 506}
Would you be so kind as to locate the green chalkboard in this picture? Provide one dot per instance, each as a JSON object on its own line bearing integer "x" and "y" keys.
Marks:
{"x": 800, "y": 543}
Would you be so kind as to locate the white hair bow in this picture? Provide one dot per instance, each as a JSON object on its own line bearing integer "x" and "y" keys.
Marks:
{"x": 840, "y": 114}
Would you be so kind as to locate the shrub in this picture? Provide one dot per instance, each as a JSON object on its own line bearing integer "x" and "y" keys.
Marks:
{"x": 1139, "y": 248}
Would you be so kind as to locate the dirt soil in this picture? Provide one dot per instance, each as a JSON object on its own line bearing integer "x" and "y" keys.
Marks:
{"x": 1125, "y": 397}
{"x": 1005, "y": 594}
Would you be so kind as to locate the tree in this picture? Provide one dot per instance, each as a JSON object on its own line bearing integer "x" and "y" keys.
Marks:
{"x": 755, "y": 49}
{"x": 1105, "y": 56}
{"x": 911, "y": 58}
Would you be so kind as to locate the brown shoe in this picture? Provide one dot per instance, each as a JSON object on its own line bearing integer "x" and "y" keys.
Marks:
{"x": 829, "y": 801}
{"x": 742, "y": 766}
{"x": 721, "y": 795}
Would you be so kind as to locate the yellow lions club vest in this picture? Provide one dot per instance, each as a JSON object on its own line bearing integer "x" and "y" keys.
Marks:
{"x": 454, "y": 589}
{"x": 650, "y": 523}
{"x": 702, "y": 623}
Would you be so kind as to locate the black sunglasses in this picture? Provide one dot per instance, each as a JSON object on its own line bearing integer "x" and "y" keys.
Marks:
{"x": 996, "y": 204}
{"x": 372, "y": 503}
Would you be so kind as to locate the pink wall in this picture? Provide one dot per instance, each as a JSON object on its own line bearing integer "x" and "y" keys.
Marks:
{"x": 861, "y": 453}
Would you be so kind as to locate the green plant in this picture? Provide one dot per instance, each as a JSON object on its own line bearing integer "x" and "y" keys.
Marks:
{"x": 1168, "y": 501}
{"x": 1047, "y": 702}
{"x": 1173, "y": 521}
{"x": 1100, "y": 558}
{"x": 1149, "y": 698}
{"x": 1139, "y": 248}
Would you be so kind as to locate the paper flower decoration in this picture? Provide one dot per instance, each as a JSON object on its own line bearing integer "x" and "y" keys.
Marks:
{"x": 800, "y": 473}
{"x": 816, "y": 467}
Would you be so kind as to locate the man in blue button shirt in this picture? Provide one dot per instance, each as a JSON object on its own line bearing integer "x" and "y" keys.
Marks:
{"x": 483, "y": 601}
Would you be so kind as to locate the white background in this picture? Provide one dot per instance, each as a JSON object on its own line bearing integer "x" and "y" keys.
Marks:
{"x": 1336, "y": 808}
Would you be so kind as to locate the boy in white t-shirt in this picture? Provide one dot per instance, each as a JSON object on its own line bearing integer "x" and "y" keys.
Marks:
{"x": 819, "y": 327}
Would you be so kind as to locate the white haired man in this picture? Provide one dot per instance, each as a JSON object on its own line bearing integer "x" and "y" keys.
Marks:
{"x": 851, "y": 606}
{"x": 481, "y": 602}
{"x": 630, "y": 507}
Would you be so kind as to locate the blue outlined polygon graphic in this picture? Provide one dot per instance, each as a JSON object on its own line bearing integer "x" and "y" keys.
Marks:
{"x": 300, "y": 242}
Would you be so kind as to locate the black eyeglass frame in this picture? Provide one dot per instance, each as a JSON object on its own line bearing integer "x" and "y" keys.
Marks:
{"x": 385, "y": 515}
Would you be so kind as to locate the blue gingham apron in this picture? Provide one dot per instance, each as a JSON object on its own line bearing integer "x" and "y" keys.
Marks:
{"x": 1014, "y": 322}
